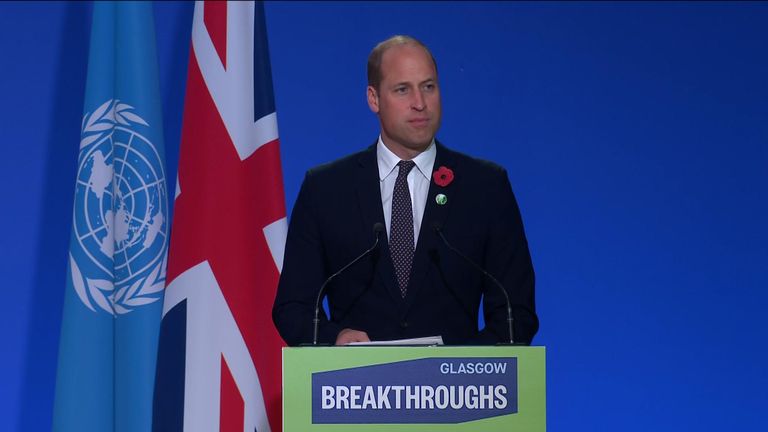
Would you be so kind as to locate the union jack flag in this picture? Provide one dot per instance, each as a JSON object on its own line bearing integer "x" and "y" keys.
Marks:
{"x": 219, "y": 355}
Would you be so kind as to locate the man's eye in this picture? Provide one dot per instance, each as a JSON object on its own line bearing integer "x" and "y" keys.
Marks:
{"x": 401, "y": 90}
{"x": 429, "y": 87}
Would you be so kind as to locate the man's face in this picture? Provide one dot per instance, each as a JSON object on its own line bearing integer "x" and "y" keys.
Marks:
{"x": 407, "y": 100}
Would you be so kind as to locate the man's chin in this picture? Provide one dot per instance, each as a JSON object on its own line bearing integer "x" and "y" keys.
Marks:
{"x": 421, "y": 140}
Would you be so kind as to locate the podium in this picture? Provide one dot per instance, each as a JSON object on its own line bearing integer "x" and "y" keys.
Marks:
{"x": 414, "y": 389}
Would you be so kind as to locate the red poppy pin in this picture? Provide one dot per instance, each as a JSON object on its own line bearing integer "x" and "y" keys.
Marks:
{"x": 443, "y": 176}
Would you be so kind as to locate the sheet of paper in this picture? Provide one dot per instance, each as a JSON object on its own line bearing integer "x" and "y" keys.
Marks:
{"x": 429, "y": 340}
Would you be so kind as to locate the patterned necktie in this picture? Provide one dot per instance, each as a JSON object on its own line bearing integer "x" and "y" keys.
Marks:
{"x": 401, "y": 229}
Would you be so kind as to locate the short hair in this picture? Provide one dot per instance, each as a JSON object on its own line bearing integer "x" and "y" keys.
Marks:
{"x": 374, "y": 58}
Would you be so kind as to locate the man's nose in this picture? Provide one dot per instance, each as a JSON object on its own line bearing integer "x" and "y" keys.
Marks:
{"x": 418, "y": 103}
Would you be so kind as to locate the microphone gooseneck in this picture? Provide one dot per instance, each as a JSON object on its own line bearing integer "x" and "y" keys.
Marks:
{"x": 439, "y": 231}
{"x": 378, "y": 228}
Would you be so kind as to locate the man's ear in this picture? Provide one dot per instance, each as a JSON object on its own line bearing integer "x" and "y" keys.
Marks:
{"x": 373, "y": 99}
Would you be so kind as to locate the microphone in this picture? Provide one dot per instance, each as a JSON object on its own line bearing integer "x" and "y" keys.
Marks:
{"x": 439, "y": 231}
{"x": 378, "y": 228}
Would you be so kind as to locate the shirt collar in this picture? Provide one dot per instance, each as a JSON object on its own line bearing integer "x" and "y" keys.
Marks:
{"x": 387, "y": 160}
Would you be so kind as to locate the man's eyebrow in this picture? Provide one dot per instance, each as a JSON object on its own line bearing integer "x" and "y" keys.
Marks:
{"x": 407, "y": 83}
{"x": 401, "y": 83}
{"x": 426, "y": 81}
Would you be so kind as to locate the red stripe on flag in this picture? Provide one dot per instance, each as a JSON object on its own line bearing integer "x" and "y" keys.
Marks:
{"x": 219, "y": 217}
{"x": 232, "y": 405}
{"x": 215, "y": 20}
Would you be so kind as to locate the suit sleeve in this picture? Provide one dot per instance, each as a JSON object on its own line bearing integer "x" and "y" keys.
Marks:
{"x": 507, "y": 258}
{"x": 303, "y": 274}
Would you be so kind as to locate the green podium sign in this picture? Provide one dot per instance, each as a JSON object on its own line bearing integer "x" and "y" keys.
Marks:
{"x": 415, "y": 389}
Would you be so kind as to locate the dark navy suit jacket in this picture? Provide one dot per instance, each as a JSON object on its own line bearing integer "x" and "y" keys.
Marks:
{"x": 332, "y": 223}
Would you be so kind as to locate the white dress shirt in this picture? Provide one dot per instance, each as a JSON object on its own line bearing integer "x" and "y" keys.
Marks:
{"x": 418, "y": 183}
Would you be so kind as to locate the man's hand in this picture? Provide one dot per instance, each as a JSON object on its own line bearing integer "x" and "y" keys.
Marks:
{"x": 348, "y": 335}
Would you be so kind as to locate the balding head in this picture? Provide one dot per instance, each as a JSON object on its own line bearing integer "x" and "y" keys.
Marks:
{"x": 376, "y": 55}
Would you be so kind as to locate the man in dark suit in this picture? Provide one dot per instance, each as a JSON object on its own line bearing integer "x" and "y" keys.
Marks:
{"x": 412, "y": 285}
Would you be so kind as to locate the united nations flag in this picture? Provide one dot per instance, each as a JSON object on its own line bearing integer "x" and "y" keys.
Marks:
{"x": 118, "y": 248}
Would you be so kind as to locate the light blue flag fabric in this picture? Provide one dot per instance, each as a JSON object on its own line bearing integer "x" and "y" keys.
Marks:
{"x": 114, "y": 288}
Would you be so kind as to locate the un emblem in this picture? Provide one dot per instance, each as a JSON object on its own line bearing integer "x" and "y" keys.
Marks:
{"x": 119, "y": 247}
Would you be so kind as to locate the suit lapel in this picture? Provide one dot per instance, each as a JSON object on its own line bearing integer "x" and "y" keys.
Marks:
{"x": 434, "y": 213}
{"x": 369, "y": 199}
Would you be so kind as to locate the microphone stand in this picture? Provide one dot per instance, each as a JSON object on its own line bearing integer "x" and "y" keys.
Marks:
{"x": 377, "y": 230}
{"x": 438, "y": 230}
